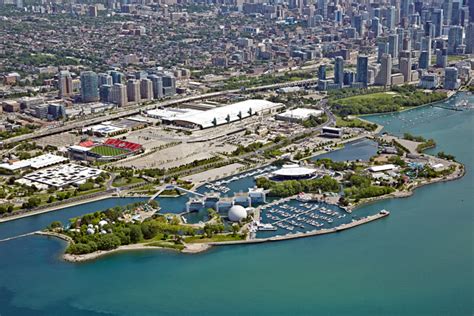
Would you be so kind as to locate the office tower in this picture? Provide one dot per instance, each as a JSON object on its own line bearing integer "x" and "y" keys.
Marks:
{"x": 105, "y": 79}
{"x": 133, "y": 90}
{"x": 437, "y": 20}
{"x": 146, "y": 89}
{"x": 65, "y": 84}
{"x": 384, "y": 77}
{"x": 322, "y": 72}
{"x": 141, "y": 75}
{"x": 323, "y": 8}
{"x": 470, "y": 38}
{"x": 349, "y": 77}
{"x": 105, "y": 93}
{"x": 169, "y": 85}
{"x": 429, "y": 29}
{"x": 362, "y": 70}
{"x": 451, "y": 81}
{"x": 382, "y": 48}
{"x": 419, "y": 6}
{"x": 393, "y": 45}
{"x": 157, "y": 86}
{"x": 93, "y": 10}
{"x": 405, "y": 68}
{"x": 390, "y": 18}
{"x": 376, "y": 27}
{"x": 117, "y": 77}
{"x": 406, "y": 44}
{"x": 339, "y": 70}
{"x": 119, "y": 94}
{"x": 404, "y": 8}
{"x": 447, "y": 10}
{"x": 424, "y": 60}
{"x": 456, "y": 12}
{"x": 358, "y": 24}
{"x": 455, "y": 38}
{"x": 56, "y": 111}
{"x": 401, "y": 36}
{"x": 441, "y": 58}
{"x": 89, "y": 86}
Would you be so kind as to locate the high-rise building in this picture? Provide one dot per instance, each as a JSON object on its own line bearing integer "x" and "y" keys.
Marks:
{"x": 169, "y": 85}
{"x": 447, "y": 10}
{"x": 437, "y": 20}
{"x": 384, "y": 77}
{"x": 105, "y": 93}
{"x": 323, "y": 8}
{"x": 393, "y": 45}
{"x": 65, "y": 84}
{"x": 146, "y": 89}
{"x": 382, "y": 48}
{"x": 441, "y": 58}
{"x": 455, "y": 38}
{"x": 363, "y": 70}
{"x": 119, "y": 94}
{"x": 375, "y": 27}
{"x": 358, "y": 24}
{"x": 405, "y": 8}
{"x": 456, "y": 12}
{"x": 157, "y": 86}
{"x": 470, "y": 38}
{"x": 405, "y": 68}
{"x": 451, "y": 81}
{"x": 390, "y": 18}
{"x": 349, "y": 77}
{"x": 322, "y": 72}
{"x": 424, "y": 60}
{"x": 89, "y": 86}
{"x": 105, "y": 79}
{"x": 339, "y": 70}
{"x": 133, "y": 90}
{"x": 56, "y": 111}
{"x": 117, "y": 76}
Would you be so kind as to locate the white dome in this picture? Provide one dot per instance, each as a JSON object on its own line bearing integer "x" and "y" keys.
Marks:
{"x": 237, "y": 213}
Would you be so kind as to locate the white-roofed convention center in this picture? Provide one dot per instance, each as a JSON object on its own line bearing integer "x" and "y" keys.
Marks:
{"x": 225, "y": 114}
{"x": 294, "y": 171}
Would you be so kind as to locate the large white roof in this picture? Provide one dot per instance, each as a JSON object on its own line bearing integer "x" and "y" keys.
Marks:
{"x": 294, "y": 171}
{"x": 300, "y": 113}
{"x": 220, "y": 114}
{"x": 382, "y": 168}
{"x": 35, "y": 162}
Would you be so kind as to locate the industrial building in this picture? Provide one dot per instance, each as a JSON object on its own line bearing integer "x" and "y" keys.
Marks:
{"x": 195, "y": 119}
{"x": 63, "y": 175}
{"x": 298, "y": 115}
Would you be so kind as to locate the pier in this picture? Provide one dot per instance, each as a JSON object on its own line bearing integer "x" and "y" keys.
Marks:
{"x": 18, "y": 236}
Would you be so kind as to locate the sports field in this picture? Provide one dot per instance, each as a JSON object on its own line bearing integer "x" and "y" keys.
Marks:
{"x": 108, "y": 151}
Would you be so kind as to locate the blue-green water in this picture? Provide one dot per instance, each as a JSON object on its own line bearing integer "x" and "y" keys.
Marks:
{"x": 361, "y": 149}
{"x": 418, "y": 261}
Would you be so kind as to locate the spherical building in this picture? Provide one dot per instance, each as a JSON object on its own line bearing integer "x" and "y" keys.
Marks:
{"x": 237, "y": 213}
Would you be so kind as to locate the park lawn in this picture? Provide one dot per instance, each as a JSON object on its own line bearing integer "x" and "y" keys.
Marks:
{"x": 108, "y": 151}
{"x": 119, "y": 182}
{"x": 165, "y": 244}
{"x": 368, "y": 99}
{"x": 355, "y": 123}
{"x": 215, "y": 238}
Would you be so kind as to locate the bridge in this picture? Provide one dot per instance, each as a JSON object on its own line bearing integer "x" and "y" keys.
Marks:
{"x": 173, "y": 187}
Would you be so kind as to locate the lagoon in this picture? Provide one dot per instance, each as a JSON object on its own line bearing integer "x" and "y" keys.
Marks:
{"x": 418, "y": 261}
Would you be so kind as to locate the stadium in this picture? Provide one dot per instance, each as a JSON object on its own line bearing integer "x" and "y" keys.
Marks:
{"x": 110, "y": 150}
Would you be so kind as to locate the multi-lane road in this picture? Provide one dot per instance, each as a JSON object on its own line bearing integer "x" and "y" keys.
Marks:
{"x": 137, "y": 109}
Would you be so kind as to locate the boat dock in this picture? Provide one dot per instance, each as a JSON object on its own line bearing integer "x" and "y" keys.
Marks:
{"x": 354, "y": 223}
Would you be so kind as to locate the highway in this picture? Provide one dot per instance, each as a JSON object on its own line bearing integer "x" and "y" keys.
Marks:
{"x": 137, "y": 109}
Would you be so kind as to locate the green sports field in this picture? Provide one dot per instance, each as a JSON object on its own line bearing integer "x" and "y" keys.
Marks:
{"x": 108, "y": 151}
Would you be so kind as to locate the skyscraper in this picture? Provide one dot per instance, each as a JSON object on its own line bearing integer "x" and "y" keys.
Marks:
{"x": 133, "y": 90}
{"x": 362, "y": 70}
{"x": 375, "y": 27}
{"x": 146, "y": 89}
{"x": 169, "y": 85}
{"x": 384, "y": 77}
{"x": 382, "y": 48}
{"x": 393, "y": 45}
{"x": 437, "y": 19}
{"x": 89, "y": 86}
{"x": 119, "y": 94}
{"x": 157, "y": 86}
{"x": 322, "y": 72}
{"x": 339, "y": 70}
{"x": 470, "y": 38}
{"x": 105, "y": 79}
{"x": 65, "y": 84}
{"x": 390, "y": 18}
{"x": 456, "y": 12}
{"x": 455, "y": 38}
{"x": 358, "y": 24}
{"x": 451, "y": 81}
{"x": 323, "y": 8}
{"x": 424, "y": 60}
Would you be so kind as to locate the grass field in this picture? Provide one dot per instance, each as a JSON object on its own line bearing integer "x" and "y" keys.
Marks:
{"x": 108, "y": 151}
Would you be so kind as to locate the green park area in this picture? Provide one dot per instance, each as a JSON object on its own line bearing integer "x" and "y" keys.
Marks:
{"x": 399, "y": 98}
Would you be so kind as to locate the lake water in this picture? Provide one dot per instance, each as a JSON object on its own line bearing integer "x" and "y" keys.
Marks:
{"x": 361, "y": 149}
{"x": 418, "y": 261}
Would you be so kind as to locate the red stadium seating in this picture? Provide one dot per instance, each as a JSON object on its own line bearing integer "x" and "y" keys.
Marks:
{"x": 117, "y": 143}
